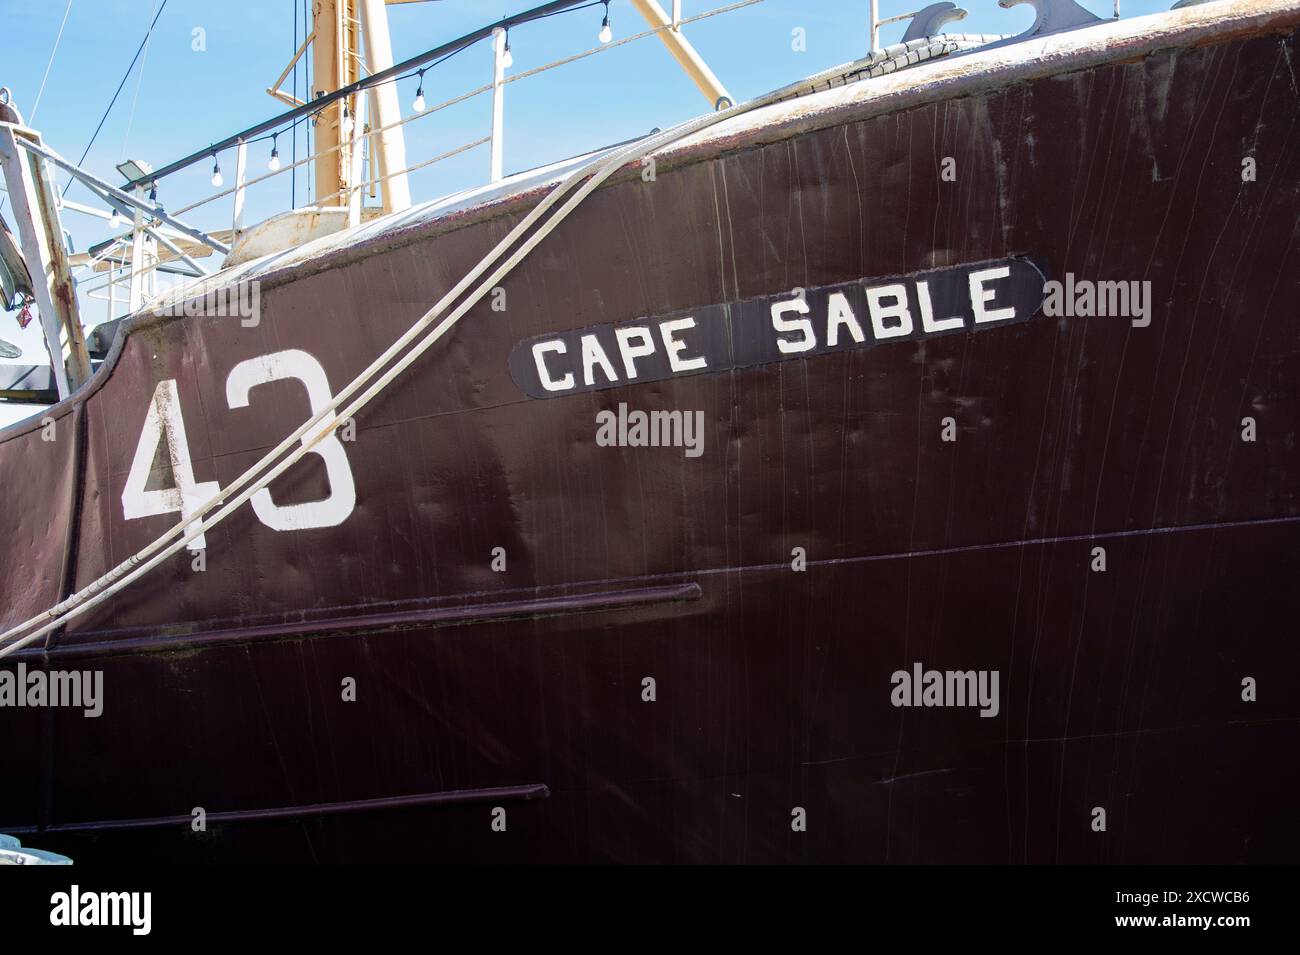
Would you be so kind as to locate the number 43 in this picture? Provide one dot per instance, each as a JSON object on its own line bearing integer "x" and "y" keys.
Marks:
{"x": 164, "y": 426}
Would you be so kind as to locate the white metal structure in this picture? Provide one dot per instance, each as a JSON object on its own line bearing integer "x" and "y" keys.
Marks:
{"x": 387, "y": 146}
{"x": 40, "y": 233}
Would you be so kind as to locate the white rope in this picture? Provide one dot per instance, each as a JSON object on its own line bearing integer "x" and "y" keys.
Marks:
{"x": 903, "y": 55}
{"x": 598, "y": 171}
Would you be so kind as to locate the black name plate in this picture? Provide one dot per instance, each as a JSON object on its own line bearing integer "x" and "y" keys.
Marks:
{"x": 801, "y": 323}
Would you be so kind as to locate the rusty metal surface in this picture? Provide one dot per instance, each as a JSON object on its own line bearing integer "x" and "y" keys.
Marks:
{"x": 38, "y": 473}
{"x": 1120, "y": 689}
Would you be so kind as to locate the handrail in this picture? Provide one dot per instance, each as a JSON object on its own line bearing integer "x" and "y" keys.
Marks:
{"x": 459, "y": 98}
{"x": 99, "y": 184}
{"x": 420, "y": 165}
{"x": 392, "y": 73}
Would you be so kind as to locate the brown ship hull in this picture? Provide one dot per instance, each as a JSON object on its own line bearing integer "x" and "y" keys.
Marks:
{"x": 968, "y": 545}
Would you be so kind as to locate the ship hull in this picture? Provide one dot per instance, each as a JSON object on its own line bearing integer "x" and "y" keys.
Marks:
{"x": 519, "y": 644}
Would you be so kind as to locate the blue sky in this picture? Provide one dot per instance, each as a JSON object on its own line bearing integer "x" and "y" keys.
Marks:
{"x": 178, "y": 100}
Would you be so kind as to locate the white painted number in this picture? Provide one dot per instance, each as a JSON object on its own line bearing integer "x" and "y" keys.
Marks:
{"x": 329, "y": 511}
{"x": 164, "y": 425}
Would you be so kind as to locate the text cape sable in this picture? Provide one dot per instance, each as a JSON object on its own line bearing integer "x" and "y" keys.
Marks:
{"x": 799, "y": 323}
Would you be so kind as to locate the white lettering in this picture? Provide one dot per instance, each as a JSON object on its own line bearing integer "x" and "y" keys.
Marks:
{"x": 630, "y": 353}
{"x": 801, "y": 325}
{"x": 539, "y": 356}
{"x": 979, "y": 295}
{"x": 898, "y": 310}
{"x": 673, "y": 345}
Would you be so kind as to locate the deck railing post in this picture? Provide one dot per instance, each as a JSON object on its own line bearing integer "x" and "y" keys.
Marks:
{"x": 498, "y": 100}
{"x": 136, "y": 296}
{"x": 356, "y": 168}
{"x": 241, "y": 175}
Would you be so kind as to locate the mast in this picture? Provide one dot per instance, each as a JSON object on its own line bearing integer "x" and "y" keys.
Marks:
{"x": 335, "y": 63}
{"x": 340, "y": 30}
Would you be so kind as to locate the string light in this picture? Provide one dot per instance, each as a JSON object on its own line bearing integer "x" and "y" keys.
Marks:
{"x": 115, "y": 219}
{"x": 606, "y": 34}
{"x": 418, "y": 104}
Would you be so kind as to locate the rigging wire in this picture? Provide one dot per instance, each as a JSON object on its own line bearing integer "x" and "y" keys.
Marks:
{"x": 386, "y": 76}
{"x": 40, "y": 92}
{"x": 293, "y": 174}
{"x": 37, "y": 105}
{"x": 310, "y": 144}
{"x": 139, "y": 81}
{"x": 125, "y": 76}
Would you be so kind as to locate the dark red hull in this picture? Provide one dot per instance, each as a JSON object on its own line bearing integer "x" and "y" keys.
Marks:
{"x": 523, "y": 689}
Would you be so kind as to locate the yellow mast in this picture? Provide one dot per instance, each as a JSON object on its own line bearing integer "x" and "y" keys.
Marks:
{"x": 335, "y": 63}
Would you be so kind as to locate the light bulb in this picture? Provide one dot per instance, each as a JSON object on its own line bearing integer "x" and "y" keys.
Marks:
{"x": 348, "y": 125}
{"x": 216, "y": 174}
{"x": 418, "y": 105}
{"x": 507, "y": 60}
{"x": 115, "y": 219}
{"x": 606, "y": 34}
{"x": 274, "y": 163}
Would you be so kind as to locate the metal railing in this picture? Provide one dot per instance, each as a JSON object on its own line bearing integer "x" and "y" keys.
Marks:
{"x": 496, "y": 33}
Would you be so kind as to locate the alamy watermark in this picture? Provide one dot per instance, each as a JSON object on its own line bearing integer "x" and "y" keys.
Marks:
{"x": 651, "y": 429}
{"x": 1084, "y": 298}
{"x": 921, "y": 687}
{"x": 133, "y": 910}
{"x": 80, "y": 689}
{"x": 243, "y": 300}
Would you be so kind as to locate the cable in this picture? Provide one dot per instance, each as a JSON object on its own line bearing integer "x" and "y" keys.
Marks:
{"x": 139, "y": 81}
{"x": 293, "y": 157}
{"x": 40, "y": 92}
{"x": 603, "y": 48}
{"x": 125, "y": 75}
{"x": 37, "y": 105}
{"x": 383, "y": 76}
